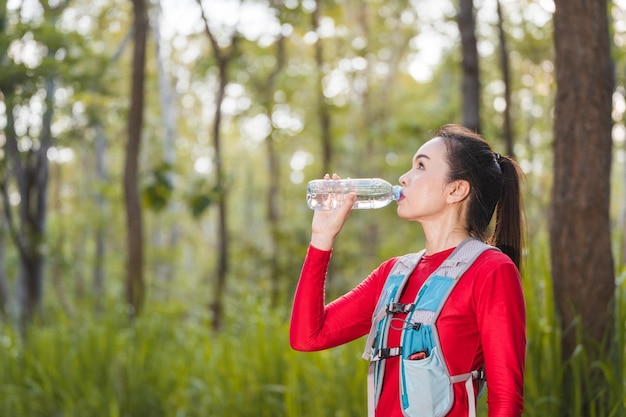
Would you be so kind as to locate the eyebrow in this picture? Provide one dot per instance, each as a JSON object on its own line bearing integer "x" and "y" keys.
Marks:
{"x": 421, "y": 155}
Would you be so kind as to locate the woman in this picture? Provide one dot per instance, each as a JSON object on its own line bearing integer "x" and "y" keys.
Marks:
{"x": 455, "y": 185}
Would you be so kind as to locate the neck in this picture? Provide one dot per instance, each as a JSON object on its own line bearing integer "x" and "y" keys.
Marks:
{"x": 441, "y": 236}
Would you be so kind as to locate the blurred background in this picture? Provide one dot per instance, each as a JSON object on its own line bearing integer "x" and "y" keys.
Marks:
{"x": 153, "y": 167}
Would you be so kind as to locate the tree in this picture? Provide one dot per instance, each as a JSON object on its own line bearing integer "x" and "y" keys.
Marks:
{"x": 163, "y": 236}
{"x": 30, "y": 89}
{"x": 4, "y": 286}
{"x": 265, "y": 88}
{"x": 100, "y": 152}
{"x": 100, "y": 145}
{"x": 223, "y": 58}
{"x": 506, "y": 79}
{"x": 471, "y": 79}
{"x": 374, "y": 91}
{"x": 135, "y": 286}
{"x": 581, "y": 259}
{"x": 322, "y": 108}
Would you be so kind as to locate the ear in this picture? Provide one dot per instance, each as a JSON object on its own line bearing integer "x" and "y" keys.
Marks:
{"x": 459, "y": 190}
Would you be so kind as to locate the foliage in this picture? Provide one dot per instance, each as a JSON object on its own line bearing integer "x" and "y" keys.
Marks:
{"x": 158, "y": 191}
{"x": 201, "y": 196}
{"x": 168, "y": 363}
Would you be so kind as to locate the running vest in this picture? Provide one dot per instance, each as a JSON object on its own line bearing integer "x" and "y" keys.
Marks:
{"x": 425, "y": 381}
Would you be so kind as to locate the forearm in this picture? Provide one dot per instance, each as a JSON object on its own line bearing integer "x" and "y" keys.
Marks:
{"x": 317, "y": 326}
{"x": 307, "y": 315}
{"x": 322, "y": 241}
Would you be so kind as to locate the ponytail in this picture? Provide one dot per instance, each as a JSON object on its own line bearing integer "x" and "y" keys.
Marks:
{"x": 494, "y": 187}
{"x": 509, "y": 222}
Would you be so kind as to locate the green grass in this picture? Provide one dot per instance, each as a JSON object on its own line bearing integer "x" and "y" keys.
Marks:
{"x": 168, "y": 363}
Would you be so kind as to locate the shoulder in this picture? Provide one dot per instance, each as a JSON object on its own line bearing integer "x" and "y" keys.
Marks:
{"x": 493, "y": 258}
{"x": 494, "y": 268}
{"x": 386, "y": 266}
{"x": 378, "y": 277}
{"x": 493, "y": 264}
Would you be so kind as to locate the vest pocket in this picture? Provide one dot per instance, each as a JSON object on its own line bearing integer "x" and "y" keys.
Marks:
{"x": 427, "y": 391}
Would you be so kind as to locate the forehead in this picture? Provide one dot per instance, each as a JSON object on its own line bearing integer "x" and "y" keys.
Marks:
{"x": 433, "y": 149}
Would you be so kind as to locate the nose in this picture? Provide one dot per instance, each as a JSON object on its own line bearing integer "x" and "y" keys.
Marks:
{"x": 402, "y": 179}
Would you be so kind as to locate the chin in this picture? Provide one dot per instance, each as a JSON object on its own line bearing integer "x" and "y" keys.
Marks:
{"x": 400, "y": 214}
{"x": 409, "y": 217}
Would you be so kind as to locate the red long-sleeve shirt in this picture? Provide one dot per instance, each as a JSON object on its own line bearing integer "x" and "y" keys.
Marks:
{"x": 482, "y": 324}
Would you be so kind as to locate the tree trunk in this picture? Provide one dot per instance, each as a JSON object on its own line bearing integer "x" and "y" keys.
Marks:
{"x": 12, "y": 169}
{"x": 273, "y": 162}
{"x": 223, "y": 60}
{"x": 217, "y": 307}
{"x": 4, "y": 285}
{"x": 584, "y": 285}
{"x": 100, "y": 224}
{"x": 101, "y": 146}
{"x": 506, "y": 79}
{"x": 135, "y": 280}
{"x": 471, "y": 80}
{"x": 322, "y": 107}
{"x": 376, "y": 105}
{"x": 30, "y": 172}
{"x": 372, "y": 125}
{"x": 168, "y": 234}
{"x": 57, "y": 267}
{"x": 582, "y": 263}
{"x": 4, "y": 288}
{"x": 30, "y": 287}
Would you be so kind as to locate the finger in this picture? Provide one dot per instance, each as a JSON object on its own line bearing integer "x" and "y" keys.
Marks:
{"x": 350, "y": 199}
{"x": 346, "y": 208}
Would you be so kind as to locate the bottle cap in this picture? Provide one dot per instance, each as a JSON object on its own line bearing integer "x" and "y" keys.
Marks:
{"x": 396, "y": 190}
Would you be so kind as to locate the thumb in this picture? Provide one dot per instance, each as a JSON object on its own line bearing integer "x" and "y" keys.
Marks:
{"x": 346, "y": 208}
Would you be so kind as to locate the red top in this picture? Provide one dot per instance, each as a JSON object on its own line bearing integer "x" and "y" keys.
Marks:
{"x": 483, "y": 323}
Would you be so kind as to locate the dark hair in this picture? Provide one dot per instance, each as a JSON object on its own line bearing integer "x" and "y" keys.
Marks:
{"x": 494, "y": 187}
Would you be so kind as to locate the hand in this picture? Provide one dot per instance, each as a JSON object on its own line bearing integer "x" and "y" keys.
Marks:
{"x": 327, "y": 224}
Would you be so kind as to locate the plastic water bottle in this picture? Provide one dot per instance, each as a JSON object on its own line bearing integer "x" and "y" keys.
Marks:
{"x": 371, "y": 193}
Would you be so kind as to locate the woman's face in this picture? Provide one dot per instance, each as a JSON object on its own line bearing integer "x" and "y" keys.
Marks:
{"x": 425, "y": 186}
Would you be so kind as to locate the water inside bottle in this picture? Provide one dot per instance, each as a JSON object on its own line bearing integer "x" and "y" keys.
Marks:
{"x": 324, "y": 201}
{"x": 372, "y": 201}
{"x": 330, "y": 201}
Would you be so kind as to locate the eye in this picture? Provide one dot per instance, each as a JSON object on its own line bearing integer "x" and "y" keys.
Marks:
{"x": 419, "y": 165}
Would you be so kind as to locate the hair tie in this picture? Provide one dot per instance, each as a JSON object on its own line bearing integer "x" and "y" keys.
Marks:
{"x": 498, "y": 157}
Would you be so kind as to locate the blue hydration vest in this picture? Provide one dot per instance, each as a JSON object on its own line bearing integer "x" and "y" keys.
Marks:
{"x": 425, "y": 381}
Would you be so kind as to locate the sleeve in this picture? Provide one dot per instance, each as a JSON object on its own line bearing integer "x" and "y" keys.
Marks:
{"x": 501, "y": 318}
{"x": 316, "y": 326}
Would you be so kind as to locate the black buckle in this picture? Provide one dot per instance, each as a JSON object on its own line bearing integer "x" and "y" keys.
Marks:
{"x": 399, "y": 308}
{"x": 384, "y": 353}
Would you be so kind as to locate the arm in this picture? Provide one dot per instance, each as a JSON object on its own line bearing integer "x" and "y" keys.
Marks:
{"x": 501, "y": 319}
{"x": 309, "y": 329}
{"x": 316, "y": 326}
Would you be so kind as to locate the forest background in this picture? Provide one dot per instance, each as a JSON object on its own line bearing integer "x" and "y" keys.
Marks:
{"x": 154, "y": 164}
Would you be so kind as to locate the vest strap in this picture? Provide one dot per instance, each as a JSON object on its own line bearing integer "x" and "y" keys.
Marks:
{"x": 469, "y": 378}
{"x": 452, "y": 268}
{"x": 371, "y": 388}
{"x": 385, "y": 353}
